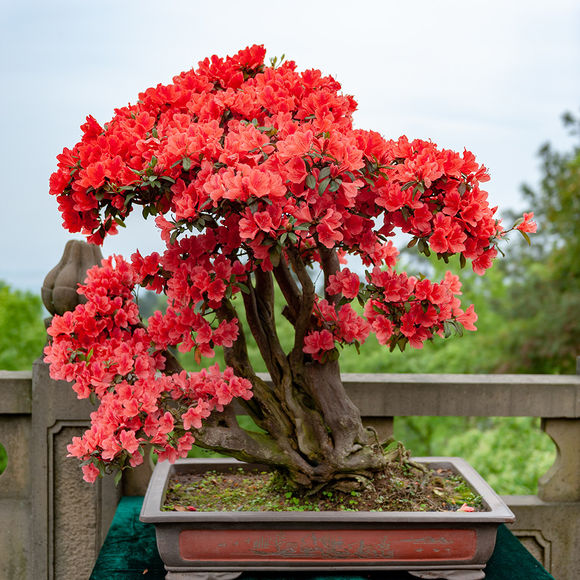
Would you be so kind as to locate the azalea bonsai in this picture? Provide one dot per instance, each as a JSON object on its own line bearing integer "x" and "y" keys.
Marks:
{"x": 256, "y": 179}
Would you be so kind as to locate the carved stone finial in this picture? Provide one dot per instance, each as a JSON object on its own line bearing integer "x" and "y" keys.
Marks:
{"x": 59, "y": 290}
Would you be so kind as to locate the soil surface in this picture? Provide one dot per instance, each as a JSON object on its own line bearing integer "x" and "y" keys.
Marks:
{"x": 404, "y": 486}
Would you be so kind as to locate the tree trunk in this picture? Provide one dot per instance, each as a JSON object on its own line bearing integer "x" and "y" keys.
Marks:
{"x": 314, "y": 432}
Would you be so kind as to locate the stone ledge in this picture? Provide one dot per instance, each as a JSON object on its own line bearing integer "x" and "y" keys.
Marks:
{"x": 462, "y": 395}
{"x": 15, "y": 392}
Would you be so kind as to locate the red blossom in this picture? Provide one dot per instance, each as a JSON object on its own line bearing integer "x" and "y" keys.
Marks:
{"x": 317, "y": 342}
{"x": 344, "y": 282}
{"x": 527, "y": 225}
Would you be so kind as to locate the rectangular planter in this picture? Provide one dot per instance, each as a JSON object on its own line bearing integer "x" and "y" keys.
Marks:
{"x": 452, "y": 545}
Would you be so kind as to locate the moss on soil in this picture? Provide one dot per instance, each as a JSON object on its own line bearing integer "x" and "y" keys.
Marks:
{"x": 402, "y": 487}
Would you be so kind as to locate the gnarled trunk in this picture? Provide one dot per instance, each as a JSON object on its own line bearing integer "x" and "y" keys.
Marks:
{"x": 312, "y": 430}
{"x": 314, "y": 433}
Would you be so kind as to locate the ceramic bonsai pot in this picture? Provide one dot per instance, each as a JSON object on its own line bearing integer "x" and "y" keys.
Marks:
{"x": 206, "y": 545}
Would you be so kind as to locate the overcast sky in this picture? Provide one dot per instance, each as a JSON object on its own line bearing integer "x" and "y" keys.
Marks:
{"x": 490, "y": 76}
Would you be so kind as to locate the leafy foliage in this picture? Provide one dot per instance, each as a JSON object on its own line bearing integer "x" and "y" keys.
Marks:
{"x": 498, "y": 447}
{"x": 542, "y": 332}
{"x": 22, "y": 332}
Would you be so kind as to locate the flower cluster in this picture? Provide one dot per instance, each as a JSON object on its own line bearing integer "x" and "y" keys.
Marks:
{"x": 104, "y": 349}
{"x": 398, "y": 309}
{"x": 263, "y": 156}
{"x": 250, "y": 170}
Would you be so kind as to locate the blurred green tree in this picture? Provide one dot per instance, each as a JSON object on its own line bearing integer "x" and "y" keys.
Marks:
{"x": 542, "y": 330}
{"x": 22, "y": 332}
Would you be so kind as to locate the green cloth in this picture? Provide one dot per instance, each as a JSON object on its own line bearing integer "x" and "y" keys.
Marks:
{"x": 130, "y": 553}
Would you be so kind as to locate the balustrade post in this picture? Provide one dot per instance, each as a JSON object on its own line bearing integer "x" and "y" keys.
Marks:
{"x": 562, "y": 481}
{"x": 70, "y": 518}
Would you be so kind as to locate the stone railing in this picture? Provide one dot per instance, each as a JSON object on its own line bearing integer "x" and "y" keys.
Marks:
{"x": 53, "y": 523}
{"x": 58, "y": 522}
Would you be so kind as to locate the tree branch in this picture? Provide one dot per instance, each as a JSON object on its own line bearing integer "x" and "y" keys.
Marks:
{"x": 330, "y": 266}
{"x": 290, "y": 290}
{"x": 259, "y": 305}
{"x": 236, "y": 356}
{"x": 305, "y": 310}
{"x": 264, "y": 407}
{"x": 221, "y": 432}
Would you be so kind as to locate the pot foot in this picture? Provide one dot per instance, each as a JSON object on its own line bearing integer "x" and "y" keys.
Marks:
{"x": 450, "y": 574}
{"x": 202, "y": 575}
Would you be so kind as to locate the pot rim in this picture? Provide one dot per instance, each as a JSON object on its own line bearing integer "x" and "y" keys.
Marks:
{"x": 497, "y": 511}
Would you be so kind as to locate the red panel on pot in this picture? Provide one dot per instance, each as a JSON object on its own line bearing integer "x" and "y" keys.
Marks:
{"x": 327, "y": 545}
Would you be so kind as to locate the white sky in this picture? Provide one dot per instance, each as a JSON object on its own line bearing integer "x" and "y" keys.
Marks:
{"x": 491, "y": 76}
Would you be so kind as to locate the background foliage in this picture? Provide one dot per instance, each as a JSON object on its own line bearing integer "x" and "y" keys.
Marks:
{"x": 22, "y": 332}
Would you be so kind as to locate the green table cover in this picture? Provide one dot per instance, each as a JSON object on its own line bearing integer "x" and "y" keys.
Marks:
{"x": 130, "y": 553}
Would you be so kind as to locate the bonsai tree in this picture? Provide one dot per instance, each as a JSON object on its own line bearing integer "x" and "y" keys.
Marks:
{"x": 256, "y": 179}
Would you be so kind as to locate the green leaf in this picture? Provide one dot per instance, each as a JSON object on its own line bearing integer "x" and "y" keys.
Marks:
{"x": 418, "y": 188}
{"x": 447, "y": 329}
{"x": 275, "y": 256}
{"x": 333, "y": 355}
{"x": 186, "y": 162}
{"x": 526, "y": 237}
{"x": 324, "y": 172}
{"x": 402, "y": 343}
{"x": 173, "y": 237}
{"x": 335, "y": 184}
{"x": 118, "y": 477}
{"x": 462, "y": 260}
{"x": 128, "y": 199}
{"x": 310, "y": 181}
{"x": 323, "y": 185}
